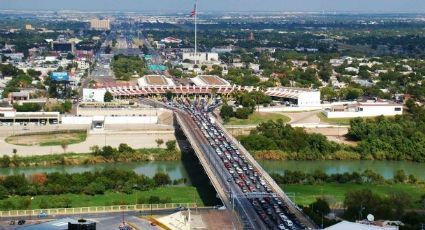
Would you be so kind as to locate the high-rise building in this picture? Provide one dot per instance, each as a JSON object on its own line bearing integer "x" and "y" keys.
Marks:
{"x": 100, "y": 24}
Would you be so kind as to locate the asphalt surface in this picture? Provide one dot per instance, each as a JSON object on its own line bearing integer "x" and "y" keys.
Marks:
{"x": 247, "y": 191}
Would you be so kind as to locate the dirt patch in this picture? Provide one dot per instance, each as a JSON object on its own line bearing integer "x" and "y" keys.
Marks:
{"x": 212, "y": 80}
{"x": 333, "y": 134}
{"x": 156, "y": 80}
{"x": 48, "y": 139}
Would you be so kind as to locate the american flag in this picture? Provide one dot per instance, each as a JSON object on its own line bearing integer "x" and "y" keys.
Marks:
{"x": 193, "y": 13}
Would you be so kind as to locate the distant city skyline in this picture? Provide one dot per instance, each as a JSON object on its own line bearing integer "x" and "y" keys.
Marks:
{"x": 369, "y": 6}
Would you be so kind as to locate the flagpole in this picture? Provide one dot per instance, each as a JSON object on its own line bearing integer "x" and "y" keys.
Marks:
{"x": 196, "y": 32}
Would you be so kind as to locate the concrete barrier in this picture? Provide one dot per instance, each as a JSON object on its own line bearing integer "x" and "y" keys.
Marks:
{"x": 96, "y": 209}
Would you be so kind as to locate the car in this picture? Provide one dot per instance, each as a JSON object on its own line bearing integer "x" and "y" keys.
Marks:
{"x": 42, "y": 215}
{"x": 282, "y": 226}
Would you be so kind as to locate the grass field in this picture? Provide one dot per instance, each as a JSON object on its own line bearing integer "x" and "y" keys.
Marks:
{"x": 48, "y": 139}
{"x": 257, "y": 118}
{"x": 307, "y": 194}
{"x": 334, "y": 121}
{"x": 177, "y": 194}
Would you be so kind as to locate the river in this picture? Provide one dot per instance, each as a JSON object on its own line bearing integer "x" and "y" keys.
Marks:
{"x": 176, "y": 169}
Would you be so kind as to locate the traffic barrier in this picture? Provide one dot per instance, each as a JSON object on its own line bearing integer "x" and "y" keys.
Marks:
{"x": 96, "y": 209}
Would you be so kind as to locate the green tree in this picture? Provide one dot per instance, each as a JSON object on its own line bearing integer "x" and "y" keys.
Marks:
{"x": 94, "y": 188}
{"x": 159, "y": 142}
{"x": 124, "y": 148}
{"x": 171, "y": 145}
{"x": 5, "y": 161}
{"x": 243, "y": 113}
{"x": 226, "y": 112}
{"x": 108, "y": 97}
{"x": 161, "y": 179}
{"x": 321, "y": 206}
{"x": 4, "y": 193}
{"x": 400, "y": 176}
{"x": 107, "y": 151}
{"x": 169, "y": 95}
{"x": 66, "y": 106}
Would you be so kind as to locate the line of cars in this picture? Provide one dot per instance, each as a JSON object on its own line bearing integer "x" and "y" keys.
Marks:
{"x": 271, "y": 209}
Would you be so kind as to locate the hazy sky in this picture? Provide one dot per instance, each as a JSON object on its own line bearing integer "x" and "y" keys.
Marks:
{"x": 220, "y": 5}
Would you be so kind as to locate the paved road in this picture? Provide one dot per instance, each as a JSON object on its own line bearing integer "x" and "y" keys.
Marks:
{"x": 230, "y": 193}
{"x": 220, "y": 175}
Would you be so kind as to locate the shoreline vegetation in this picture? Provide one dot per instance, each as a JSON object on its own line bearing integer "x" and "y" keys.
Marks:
{"x": 106, "y": 154}
{"x": 105, "y": 187}
{"x": 399, "y": 138}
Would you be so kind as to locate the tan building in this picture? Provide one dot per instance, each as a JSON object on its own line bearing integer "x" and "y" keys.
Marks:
{"x": 29, "y": 27}
{"x": 98, "y": 24}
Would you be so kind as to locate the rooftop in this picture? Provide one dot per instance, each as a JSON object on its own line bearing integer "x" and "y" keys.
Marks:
{"x": 155, "y": 80}
{"x": 209, "y": 80}
{"x": 345, "y": 225}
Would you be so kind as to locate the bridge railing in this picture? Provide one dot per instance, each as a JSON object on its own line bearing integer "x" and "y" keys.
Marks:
{"x": 96, "y": 209}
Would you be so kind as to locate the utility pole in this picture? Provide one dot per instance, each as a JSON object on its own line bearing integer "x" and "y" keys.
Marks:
{"x": 196, "y": 31}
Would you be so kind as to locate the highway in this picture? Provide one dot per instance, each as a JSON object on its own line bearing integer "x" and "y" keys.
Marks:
{"x": 239, "y": 180}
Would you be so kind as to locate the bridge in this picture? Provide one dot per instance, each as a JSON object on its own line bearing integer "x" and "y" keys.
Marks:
{"x": 228, "y": 191}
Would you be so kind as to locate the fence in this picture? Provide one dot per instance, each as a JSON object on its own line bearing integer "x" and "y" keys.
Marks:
{"x": 94, "y": 210}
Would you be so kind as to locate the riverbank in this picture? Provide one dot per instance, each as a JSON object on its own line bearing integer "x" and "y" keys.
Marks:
{"x": 168, "y": 194}
{"x": 147, "y": 154}
{"x": 335, "y": 193}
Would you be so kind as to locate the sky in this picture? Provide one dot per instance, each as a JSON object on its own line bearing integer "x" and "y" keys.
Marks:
{"x": 379, "y": 6}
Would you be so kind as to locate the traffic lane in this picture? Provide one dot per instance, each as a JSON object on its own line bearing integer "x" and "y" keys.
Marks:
{"x": 246, "y": 206}
{"x": 206, "y": 143}
{"x": 204, "y": 120}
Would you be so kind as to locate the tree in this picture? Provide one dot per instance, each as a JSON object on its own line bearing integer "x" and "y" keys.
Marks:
{"x": 161, "y": 179}
{"x": 159, "y": 142}
{"x": 107, "y": 151}
{"x": 70, "y": 56}
{"x": 169, "y": 95}
{"x": 226, "y": 112}
{"x": 5, "y": 161}
{"x": 327, "y": 93}
{"x": 108, "y": 97}
{"x": 96, "y": 150}
{"x": 94, "y": 188}
{"x": 171, "y": 145}
{"x": 320, "y": 206}
{"x": 4, "y": 193}
{"x": 64, "y": 145}
{"x": 66, "y": 106}
{"x": 243, "y": 113}
{"x": 124, "y": 148}
{"x": 27, "y": 107}
{"x": 38, "y": 178}
{"x": 400, "y": 176}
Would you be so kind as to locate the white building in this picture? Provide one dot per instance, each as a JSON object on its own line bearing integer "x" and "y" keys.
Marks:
{"x": 82, "y": 64}
{"x": 171, "y": 40}
{"x": 97, "y": 24}
{"x": 93, "y": 95}
{"x": 201, "y": 58}
{"x": 300, "y": 97}
{"x": 367, "y": 109}
{"x": 345, "y": 225}
{"x": 222, "y": 49}
{"x": 254, "y": 67}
